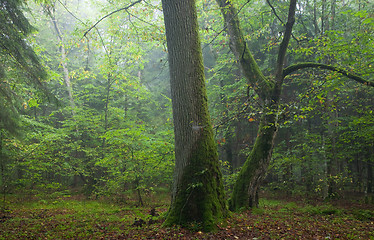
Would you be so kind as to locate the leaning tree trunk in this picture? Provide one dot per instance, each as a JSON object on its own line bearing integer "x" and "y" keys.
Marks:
{"x": 245, "y": 192}
{"x": 198, "y": 195}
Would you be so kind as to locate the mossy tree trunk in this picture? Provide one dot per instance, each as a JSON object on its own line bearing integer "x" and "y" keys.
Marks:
{"x": 198, "y": 195}
{"x": 245, "y": 192}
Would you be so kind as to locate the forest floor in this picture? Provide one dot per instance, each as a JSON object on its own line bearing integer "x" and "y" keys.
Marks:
{"x": 79, "y": 218}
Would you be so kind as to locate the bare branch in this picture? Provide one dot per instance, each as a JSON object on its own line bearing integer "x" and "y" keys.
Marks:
{"x": 134, "y": 16}
{"x": 118, "y": 10}
{"x": 286, "y": 38}
{"x": 274, "y": 11}
{"x": 70, "y": 12}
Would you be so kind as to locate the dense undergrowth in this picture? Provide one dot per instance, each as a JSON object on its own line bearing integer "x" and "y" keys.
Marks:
{"x": 76, "y": 217}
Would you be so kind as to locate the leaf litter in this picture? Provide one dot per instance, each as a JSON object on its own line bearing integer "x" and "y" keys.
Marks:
{"x": 72, "y": 219}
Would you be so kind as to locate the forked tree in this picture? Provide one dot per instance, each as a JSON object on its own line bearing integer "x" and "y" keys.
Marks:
{"x": 245, "y": 192}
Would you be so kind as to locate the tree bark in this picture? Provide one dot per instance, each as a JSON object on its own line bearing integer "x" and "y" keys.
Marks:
{"x": 198, "y": 195}
{"x": 245, "y": 192}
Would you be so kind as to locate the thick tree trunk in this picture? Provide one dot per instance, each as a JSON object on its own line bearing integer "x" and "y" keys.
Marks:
{"x": 198, "y": 195}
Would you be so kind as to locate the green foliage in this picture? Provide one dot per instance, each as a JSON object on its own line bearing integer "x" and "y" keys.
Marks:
{"x": 115, "y": 140}
{"x": 363, "y": 215}
{"x": 321, "y": 125}
{"x": 322, "y": 210}
{"x": 133, "y": 156}
{"x": 15, "y": 29}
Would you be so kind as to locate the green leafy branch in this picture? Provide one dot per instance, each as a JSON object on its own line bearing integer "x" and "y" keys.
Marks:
{"x": 344, "y": 72}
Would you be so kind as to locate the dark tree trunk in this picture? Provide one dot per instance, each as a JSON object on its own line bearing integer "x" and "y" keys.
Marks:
{"x": 198, "y": 195}
{"x": 332, "y": 164}
{"x": 369, "y": 183}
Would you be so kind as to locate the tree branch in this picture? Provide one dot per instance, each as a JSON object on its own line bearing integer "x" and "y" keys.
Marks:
{"x": 344, "y": 72}
{"x": 225, "y": 27}
{"x": 247, "y": 63}
{"x": 283, "y": 51}
{"x": 275, "y": 13}
{"x": 118, "y": 10}
{"x": 286, "y": 38}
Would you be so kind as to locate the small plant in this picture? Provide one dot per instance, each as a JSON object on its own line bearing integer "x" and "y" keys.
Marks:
{"x": 363, "y": 215}
{"x": 321, "y": 210}
{"x": 290, "y": 206}
{"x": 269, "y": 203}
{"x": 258, "y": 211}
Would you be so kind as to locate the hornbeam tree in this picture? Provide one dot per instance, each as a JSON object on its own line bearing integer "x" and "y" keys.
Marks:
{"x": 198, "y": 196}
{"x": 245, "y": 192}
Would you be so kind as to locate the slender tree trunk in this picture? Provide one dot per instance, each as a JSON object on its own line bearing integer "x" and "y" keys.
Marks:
{"x": 315, "y": 22}
{"x": 198, "y": 195}
{"x": 245, "y": 192}
{"x": 369, "y": 182}
{"x": 333, "y": 5}
{"x": 369, "y": 167}
{"x": 2, "y": 168}
{"x": 106, "y": 108}
{"x": 332, "y": 164}
{"x": 64, "y": 64}
{"x": 325, "y": 18}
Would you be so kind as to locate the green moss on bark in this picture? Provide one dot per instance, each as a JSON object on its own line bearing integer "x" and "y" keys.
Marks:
{"x": 200, "y": 201}
{"x": 198, "y": 195}
{"x": 254, "y": 169}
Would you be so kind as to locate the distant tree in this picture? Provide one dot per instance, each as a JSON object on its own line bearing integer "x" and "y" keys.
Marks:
{"x": 198, "y": 195}
{"x": 51, "y": 11}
